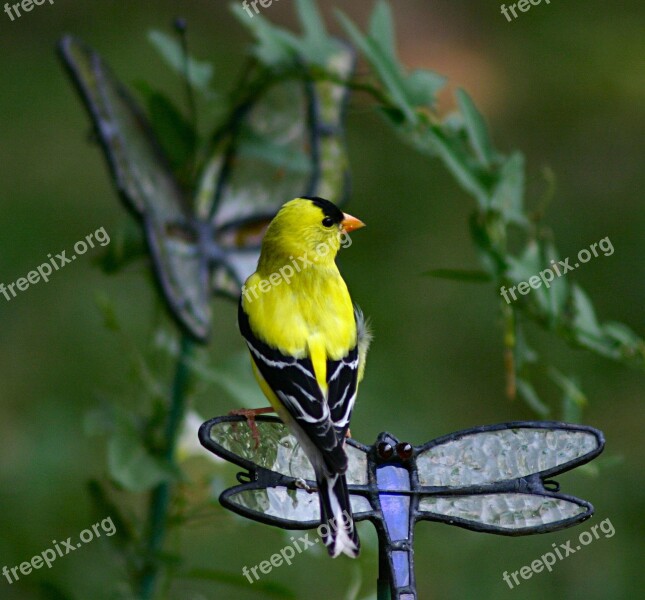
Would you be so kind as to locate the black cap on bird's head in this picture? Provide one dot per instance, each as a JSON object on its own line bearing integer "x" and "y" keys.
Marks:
{"x": 335, "y": 215}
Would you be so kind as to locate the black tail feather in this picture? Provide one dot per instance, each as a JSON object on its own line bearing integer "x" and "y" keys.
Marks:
{"x": 337, "y": 524}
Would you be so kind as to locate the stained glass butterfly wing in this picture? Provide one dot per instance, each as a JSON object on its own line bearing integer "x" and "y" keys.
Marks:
{"x": 492, "y": 479}
{"x": 146, "y": 184}
{"x": 278, "y": 473}
{"x": 289, "y": 142}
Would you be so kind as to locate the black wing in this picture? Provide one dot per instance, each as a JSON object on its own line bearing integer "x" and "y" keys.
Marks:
{"x": 294, "y": 383}
{"x": 342, "y": 376}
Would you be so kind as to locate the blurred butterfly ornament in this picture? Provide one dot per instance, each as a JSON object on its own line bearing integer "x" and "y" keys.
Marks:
{"x": 285, "y": 141}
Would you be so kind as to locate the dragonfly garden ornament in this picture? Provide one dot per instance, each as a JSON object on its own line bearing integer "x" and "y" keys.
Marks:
{"x": 493, "y": 479}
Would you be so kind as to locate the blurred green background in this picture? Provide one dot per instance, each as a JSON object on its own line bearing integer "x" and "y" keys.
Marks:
{"x": 563, "y": 82}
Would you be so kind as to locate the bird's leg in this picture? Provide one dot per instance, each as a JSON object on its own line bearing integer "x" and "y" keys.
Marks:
{"x": 250, "y": 414}
{"x": 348, "y": 434}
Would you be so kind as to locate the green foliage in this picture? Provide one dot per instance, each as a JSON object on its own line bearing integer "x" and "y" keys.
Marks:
{"x": 497, "y": 182}
{"x": 279, "y": 48}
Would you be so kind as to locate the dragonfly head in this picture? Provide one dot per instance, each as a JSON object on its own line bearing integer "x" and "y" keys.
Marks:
{"x": 388, "y": 448}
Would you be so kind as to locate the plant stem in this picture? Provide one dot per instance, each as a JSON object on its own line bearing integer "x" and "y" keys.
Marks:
{"x": 161, "y": 496}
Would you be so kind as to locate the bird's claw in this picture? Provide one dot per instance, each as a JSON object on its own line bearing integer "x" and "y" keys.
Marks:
{"x": 250, "y": 414}
{"x": 303, "y": 485}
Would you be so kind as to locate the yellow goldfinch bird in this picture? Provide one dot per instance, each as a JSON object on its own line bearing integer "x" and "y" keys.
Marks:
{"x": 308, "y": 346}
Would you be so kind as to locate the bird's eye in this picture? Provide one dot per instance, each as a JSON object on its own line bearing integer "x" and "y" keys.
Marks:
{"x": 328, "y": 221}
{"x": 385, "y": 450}
{"x": 404, "y": 450}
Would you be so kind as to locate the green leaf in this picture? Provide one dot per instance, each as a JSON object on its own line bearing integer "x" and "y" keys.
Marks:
{"x": 278, "y": 47}
{"x": 199, "y": 73}
{"x": 395, "y": 116}
{"x": 508, "y": 196}
{"x": 386, "y": 67}
{"x": 568, "y": 386}
{"x": 312, "y": 22}
{"x": 476, "y": 127}
{"x": 460, "y": 275}
{"x": 585, "y": 323}
{"x": 490, "y": 256}
{"x": 587, "y": 331}
{"x": 522, "y": 269}
{"x": 175, "y": 134}
{"x": 573, "y": 399}
{"x": 622, "y": 334}
{"x": 528, "y": 393}
{"x": 457, "y": 162}
{"x": 422, "y": 87}
{"x": 382, "y": 28}
{"x": 275, "y": 46}
{"x": 559, "y": 290}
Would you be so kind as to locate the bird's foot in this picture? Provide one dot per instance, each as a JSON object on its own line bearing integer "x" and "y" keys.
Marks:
{"x": 303, "y": 485}
{"x": 250, "y": 414}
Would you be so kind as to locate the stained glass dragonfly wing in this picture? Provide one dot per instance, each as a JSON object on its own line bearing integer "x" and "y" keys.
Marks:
{"x": 277, "y": 451}
{"x": 498, "y": 453}
{"x": 147, "y": 185}
{"x": 280, "y": 484}
{"x": 507, "y": 513}
{"x": 288, "y": 142}
{"x": 285, "y": 506}
{"x": 493, "y": 478}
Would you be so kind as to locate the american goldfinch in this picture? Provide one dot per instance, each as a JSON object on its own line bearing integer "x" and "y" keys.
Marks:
{"x": 308, "y": 345}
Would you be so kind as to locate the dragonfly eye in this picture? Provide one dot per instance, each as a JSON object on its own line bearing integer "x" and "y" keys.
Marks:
{"x": 404, "y": 450}
{"x": 385, "y": 450}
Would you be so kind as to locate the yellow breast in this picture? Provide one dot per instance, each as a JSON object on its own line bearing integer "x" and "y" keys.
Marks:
{"x": 310, "y": 310}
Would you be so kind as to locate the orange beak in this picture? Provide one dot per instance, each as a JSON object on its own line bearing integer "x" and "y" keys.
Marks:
{"x": 350, "y": 223}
